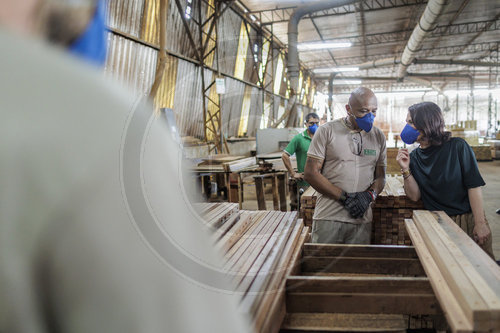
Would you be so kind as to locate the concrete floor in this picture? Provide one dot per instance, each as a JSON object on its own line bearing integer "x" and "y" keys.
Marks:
{"x": 491, "y": 198}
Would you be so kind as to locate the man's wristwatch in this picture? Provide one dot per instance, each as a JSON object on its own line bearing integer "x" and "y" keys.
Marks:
{"x": 342, "y": 197}
{"x": 373, "y": 194}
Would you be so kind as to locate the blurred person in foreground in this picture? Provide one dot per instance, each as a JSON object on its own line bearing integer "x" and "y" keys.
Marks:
{"x": 346, "y": 164}
{"x": 77, "y": 253}
{"x": 299, "y": 145}
{"x": 443, "y": 172}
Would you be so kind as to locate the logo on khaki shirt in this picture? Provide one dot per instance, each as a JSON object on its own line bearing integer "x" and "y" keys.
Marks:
{"x": 370, "y": 152}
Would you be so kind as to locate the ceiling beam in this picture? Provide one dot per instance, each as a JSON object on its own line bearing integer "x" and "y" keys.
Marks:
{"x": 486, "y": 28}
{"x": 477, "y": 27}
{"x": 360, "y": 17}
{"x": 450, "y": 23}
{"x": 445, "y": 51}
{"x": 280, "y": 15}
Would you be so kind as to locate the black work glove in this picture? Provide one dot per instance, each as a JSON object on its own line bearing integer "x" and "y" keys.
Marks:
{"x": 357, "y": 203}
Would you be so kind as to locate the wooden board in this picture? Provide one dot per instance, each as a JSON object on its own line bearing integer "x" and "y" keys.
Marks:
{"x": 472, "y": 277}
{"x": 472, "y": 293}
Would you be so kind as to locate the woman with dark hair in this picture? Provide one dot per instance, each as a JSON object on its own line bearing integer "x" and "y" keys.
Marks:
{"x": 443, "y": 172}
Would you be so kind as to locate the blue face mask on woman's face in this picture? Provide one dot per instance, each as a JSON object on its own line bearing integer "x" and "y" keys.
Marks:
{"x": 313, "y": 128}
{"x": 409, "y": 135}
{"x": 366, "y": 122}
{"x": 91, "y": 44}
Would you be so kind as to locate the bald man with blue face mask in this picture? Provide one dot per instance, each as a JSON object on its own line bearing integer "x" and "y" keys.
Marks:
{"x": 346, "y": 164}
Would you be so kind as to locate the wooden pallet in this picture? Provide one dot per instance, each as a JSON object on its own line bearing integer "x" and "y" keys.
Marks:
{"x": 465, "y": 279}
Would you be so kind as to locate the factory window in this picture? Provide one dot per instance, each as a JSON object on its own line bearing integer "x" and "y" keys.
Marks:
{"x": 241, "y": 56}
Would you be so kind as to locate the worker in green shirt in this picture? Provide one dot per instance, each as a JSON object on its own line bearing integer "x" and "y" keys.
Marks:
{"x": 299, "y": 146}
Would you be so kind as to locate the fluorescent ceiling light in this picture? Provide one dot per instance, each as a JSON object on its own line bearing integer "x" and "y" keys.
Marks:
{"x": 335, "y": 70}
{"x": 322, "y": 45}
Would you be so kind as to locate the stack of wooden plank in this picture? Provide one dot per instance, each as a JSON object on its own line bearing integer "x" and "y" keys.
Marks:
{"x": 464, "y": 278}
{"x": 307, "y": 205}
{"x": 390, "y": 210}
{"x": 260, "y": 249}
{"x": 239, "y": 164}
{"x": 393, "y": 167}
{"x": 482, "y": 152}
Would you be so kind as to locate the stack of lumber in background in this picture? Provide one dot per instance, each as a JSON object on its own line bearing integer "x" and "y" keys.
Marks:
{"x": 259, "y": 248}
{"x": 393, "y": 167}
{"x": 216, "y": 162}
{"x": 307, "y": 205}
{"x": 465, "y": 279}
{"x": 482, "y": 152}
{"x": 390, "y": 210}
{"x": 239, "y": 164}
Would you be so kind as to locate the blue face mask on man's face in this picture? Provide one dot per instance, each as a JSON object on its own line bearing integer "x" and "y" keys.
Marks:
{"x": 91, "y": 44}
{"x": 313, "y": 128}
{"x": 409, "y": 135}
{"x": 365, "y": 122}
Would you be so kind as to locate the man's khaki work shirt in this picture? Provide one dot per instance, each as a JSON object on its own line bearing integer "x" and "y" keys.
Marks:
{"x": 349, "y": 161}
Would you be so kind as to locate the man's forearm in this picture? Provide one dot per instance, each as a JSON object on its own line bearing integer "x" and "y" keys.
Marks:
{"x": 378, "y": 185}
{"x": 323, "y": 185}
{"x": 288, "y": 164}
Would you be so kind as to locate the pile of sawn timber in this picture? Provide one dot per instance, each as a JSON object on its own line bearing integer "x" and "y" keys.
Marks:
{"x": 307, "y": 205}
{"x": 465, "y": 279}
{"x": 260, "y": 249}
{"x": 390, "y": 210}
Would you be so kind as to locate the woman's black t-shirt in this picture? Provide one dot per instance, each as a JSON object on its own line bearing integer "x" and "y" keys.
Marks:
{"x": 444, "y": 174}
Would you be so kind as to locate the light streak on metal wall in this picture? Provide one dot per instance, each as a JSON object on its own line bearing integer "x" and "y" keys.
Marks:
{"x": 132, "y": 64}
{"x": 149, "y": 31}
{"x": 209, "y": 61}
{"x": 241, "y": 56}
{"x": 188, "y": 106}
{"x": 278, "y": 75}
{"x": 255, "y": 113}
{"x": 166, "y": 92}
{"x": 229, "y": 23}
{"x": 231, "y": 103}
{"x": 245, "y": 111}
